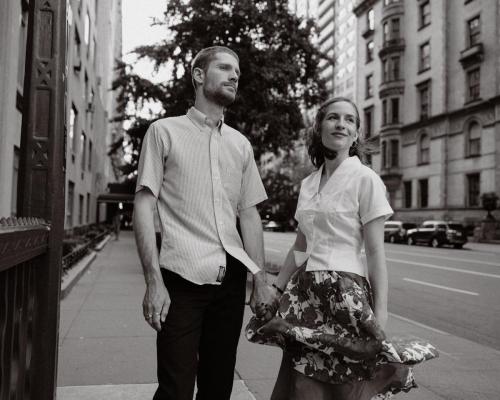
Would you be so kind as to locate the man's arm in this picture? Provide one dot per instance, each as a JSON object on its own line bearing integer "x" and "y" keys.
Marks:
{"x": 253, "y": 241}
{"x": 156, "y": 299}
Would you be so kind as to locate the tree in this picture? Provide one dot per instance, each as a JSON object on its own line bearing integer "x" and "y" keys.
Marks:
{"x": 278, "y": 62}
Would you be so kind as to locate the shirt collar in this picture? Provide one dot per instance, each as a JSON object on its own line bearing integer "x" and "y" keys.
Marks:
{"x": 347, "y": 166}
{"x": 202, "y": 121}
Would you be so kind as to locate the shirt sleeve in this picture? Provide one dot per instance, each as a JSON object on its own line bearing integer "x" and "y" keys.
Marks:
{"x": 252, "y": 188}
{"x": 155, "y": 147}
{"x": 373, "y": 199}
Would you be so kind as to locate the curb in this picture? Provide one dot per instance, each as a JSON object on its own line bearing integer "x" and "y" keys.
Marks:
{"x": 71, "y": 278}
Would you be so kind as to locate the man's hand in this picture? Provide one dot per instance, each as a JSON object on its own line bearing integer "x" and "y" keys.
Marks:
{"x": 156, "y": 303}
{"x": 264, "y": 300}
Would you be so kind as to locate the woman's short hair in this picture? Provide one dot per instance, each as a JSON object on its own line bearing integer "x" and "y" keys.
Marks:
{"x": 316, "y": 150}
{"x": 203, "y": 58}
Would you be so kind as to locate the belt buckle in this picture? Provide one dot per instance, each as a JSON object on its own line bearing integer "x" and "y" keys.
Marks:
{"x": 221, "y": 274}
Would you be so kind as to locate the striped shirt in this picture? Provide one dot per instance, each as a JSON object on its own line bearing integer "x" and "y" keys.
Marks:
{"x": 202, "y": 174}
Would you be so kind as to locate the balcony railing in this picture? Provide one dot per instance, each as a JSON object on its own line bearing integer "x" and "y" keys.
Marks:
{"x": 392, "y": 46}
{"x": 472, "y": 55}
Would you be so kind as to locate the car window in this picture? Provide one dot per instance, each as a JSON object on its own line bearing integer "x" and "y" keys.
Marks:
{"x": 408, "y": 225}
{"x": 456, "y": 226}
{"x": 428, "y": 225}
{"x": 391, "y": 225}
{"x": 441, "y": 226}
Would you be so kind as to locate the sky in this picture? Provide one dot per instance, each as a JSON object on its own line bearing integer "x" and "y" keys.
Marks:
{"x": 137, "y": 31}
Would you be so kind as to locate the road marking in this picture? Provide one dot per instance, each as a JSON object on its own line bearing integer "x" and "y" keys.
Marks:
{"x": 273, "y": 250}
{"x": 441, "y": 287}
{"x": 464, "y": 271}
{"x": 419, "y": 324}
{"x": 445, "y": 258}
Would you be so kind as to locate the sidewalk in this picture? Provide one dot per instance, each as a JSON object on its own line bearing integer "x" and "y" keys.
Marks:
{"x": 107, "y": 351}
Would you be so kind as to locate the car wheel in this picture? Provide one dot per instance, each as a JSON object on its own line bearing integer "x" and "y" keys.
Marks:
{"x": 458, "y": 246}
{"x": 435, "y": 243}
{"x": 392, "y": 239}
{"x": 410, "y": 241}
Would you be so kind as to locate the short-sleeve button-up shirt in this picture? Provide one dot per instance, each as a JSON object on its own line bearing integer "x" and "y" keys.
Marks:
{"x": 202, "y": 173}
{"x": 332, "y": 219}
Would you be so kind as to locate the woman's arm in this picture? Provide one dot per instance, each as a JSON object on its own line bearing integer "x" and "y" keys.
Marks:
{"x": 373, "y": 232}
{"x": 289, "y": 266}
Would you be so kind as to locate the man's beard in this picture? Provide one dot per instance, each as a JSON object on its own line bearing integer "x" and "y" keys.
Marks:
{"x": 219, "y": 96}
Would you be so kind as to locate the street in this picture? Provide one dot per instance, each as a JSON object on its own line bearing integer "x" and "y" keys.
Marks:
{"x": 455, "y": 291}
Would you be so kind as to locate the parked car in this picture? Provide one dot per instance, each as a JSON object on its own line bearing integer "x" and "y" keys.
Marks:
{"x": 438, "y": 233}
{"x": 395, "y": 231}
{"x": 273, "y": 226}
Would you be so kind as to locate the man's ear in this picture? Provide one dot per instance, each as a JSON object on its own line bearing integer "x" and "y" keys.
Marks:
{"x": 198, "y": 75}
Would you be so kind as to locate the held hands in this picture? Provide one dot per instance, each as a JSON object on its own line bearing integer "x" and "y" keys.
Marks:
{"x": 156, "y": 303}
{"x": 264, "y": 300}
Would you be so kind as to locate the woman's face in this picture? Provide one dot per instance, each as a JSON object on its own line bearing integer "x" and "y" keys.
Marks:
{"x": 338, "y": 128}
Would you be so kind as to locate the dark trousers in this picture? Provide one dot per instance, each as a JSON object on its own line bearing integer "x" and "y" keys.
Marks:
{"x": 200, "y": 336}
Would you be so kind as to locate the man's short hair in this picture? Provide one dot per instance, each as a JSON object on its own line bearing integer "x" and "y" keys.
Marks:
{"x": 206, "y": 55}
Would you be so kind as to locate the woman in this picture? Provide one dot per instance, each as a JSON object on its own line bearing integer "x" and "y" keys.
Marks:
{"x": 333, "y": 310}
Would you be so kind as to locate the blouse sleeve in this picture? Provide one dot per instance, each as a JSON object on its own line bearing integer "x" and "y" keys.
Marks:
{"x": 373, "y": 198}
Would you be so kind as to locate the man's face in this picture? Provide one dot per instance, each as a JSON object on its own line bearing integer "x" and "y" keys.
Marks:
{"x": 221, "y": 79}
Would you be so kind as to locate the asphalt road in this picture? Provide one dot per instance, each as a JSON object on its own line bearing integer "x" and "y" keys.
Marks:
{"x": 445, "y": 289}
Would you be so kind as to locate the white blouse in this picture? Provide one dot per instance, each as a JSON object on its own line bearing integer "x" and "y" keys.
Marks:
{"x": 332, "y": 219}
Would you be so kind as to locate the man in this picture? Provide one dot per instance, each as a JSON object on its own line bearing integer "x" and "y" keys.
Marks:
{"x": 200, "y": 174}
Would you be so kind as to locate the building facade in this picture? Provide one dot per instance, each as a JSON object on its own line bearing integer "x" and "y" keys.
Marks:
{"x": 429, "y": 92}
{"x": 337, "y": 40}
{"x": 94, "y": 35}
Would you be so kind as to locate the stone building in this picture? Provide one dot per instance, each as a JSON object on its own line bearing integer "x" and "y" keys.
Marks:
{"x": 429, "y": 92}
{"x": 94, "y": 35}
{"x": 337, "y": 39}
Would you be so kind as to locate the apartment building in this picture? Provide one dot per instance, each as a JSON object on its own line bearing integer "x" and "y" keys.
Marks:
{"x": 429, "y": 91}
{"x": 337, "y": 40}
{"x": 94, "y": 35}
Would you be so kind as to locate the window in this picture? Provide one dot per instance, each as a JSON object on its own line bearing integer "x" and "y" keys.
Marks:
{"x": 385, "y": 70}
{"x": 385, "y": 31}
{"x": 370, "y": 19}
{"x": 395, "y": 110}
{"x": 73, "y": 124}
{"x": 473, "y": 84}
{"x": 89, "y": 158}
{"x": 369, "y": 86}
{"x": 369, "y": 51}
{"x": 408, "y": 193}
{"x": 21, "y": 55}
{"x": 387, "y": 2}
{"x": 423, "y": 189}
{"x": 70, "y": 205}
{"x": 395, "y": 67}
{"x": 474, "y": 29}
{"x": 83, "y": 139}
{"x": 384, "y": 112}
{"x": 425, "y": 56}
{"x": 395, "y": 33}
{"x": 473, "y": 140}
{"x": 384, "y": 154}
{"x": 424, "y": 100}
{"x": 424, "y": 148}
{"x": 368, "y": 118}
{"x": 394, "y": 153}
{"x": 80, "y": 209}
{"x": 473, "y": 182}
{"x": 86, "y": 29}
{"x": 88, "y": 208}
{"x": 15, "y": 178}
{"x": 425, "y": 14}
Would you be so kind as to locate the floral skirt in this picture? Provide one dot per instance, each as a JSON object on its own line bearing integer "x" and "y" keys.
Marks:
{"x": 335, "y": 337}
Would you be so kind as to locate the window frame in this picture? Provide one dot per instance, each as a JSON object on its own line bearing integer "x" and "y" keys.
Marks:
{"x": 424, "y": 60}
{"x": 424, "y": 18}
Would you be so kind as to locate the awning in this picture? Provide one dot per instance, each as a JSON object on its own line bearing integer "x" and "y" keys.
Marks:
{"x": 115, "y": 198}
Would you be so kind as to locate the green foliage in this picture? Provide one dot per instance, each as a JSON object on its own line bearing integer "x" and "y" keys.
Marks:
{"x": 277, "y": 61}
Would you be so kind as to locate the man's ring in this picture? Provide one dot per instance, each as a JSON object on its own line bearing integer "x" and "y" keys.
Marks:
{"x": 149, "y": 315}
{"x": 157, "y": 313}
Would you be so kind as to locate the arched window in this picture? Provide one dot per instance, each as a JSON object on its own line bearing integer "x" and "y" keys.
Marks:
{"x": 423, "y": 149}
{"x": 473, "y": 141}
